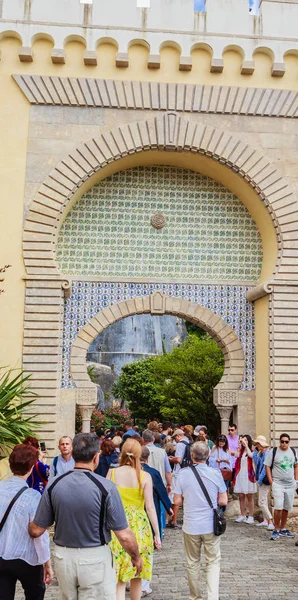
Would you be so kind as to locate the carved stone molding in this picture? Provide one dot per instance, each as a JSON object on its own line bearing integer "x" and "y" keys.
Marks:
{"x": 86, "y": 396}
{"x": 171, "y": 121}
{"x": 224, "y": 397}
{"x": 259, "y": 291}
{"x": 159, "y": 304}
{"x": 66, "y": 286}
{"x": 224, "y": 417}
{"x": 165, "y": 132}
{"x": 183, "y": 97}
{"x": 86, "y": 413}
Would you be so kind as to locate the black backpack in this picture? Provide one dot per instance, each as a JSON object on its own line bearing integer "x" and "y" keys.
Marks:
{"x": 186, "y": 461}
{"x": 265, "y": 479}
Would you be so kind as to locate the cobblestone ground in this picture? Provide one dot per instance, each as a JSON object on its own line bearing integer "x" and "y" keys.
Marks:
{"x": 253, "y": 567}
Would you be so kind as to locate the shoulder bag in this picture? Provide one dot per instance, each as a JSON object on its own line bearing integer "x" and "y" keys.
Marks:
{"x": 226, "y": 473}
{"x": 13, "y": 501}
{"x": 219, "y": 521}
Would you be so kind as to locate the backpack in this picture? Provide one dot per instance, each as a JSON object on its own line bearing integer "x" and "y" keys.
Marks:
{"x": 54, "y": 465}
{"x": 186, "y": 461}
{"x": 274, "y": 453}
{"x": 265, "y": 478}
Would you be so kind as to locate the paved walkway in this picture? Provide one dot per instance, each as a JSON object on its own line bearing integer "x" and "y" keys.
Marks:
{"x": 253, "y": 567}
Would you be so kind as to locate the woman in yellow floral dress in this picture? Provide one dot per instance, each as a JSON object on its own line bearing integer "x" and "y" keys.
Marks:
{"x": 135, "y": 489}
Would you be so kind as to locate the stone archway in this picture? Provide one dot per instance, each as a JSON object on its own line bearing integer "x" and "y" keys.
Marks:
{"x": 168, "y": 132}
{"x": 225, "y": 393}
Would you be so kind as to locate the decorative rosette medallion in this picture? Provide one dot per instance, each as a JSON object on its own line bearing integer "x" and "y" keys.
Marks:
{"x": 158, "y": 221}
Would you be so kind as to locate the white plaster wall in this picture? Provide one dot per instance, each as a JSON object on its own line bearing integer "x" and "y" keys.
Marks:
{"x": 280, "y": 19}
{"x": 229, "y": 16}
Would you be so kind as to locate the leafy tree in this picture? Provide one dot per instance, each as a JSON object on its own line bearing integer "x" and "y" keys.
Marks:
{"x": 187, "y": 377}
{"x": 137, "y": 386}
{"x": 177, "y": 386}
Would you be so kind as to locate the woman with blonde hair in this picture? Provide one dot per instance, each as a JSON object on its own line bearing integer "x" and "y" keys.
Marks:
{"x": 136, "y": 490}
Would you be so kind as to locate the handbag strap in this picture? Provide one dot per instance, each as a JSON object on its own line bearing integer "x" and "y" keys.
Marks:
{"x": 203, "y": 487}
{"x": 3, "y": 521}
{"x": 44, "y": 481}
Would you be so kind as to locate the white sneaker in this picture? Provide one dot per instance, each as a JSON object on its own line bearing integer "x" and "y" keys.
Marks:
{"x": 240, "y": 519}
{"x": 263, "y": 524}
{"x": 271, "y": 527}
{"x": 249, "y": 520}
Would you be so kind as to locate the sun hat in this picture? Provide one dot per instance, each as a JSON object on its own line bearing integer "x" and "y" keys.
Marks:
{"x": 178, "y": 432}
{"x": 198, "y": 429}
{"x": 262, "y": 441}
{"x": 117, "y": 440}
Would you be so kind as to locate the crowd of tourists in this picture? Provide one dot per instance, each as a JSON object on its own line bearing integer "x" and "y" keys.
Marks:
{"x": 112, "y": 494}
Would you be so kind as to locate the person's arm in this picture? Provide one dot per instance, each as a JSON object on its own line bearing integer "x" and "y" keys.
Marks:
{"x": 175, "y": 460}
{"x": 129, "y": 544}
{"x": 48, "y": 573}
{"x": 150, "y": 509}
{"x": 44, "y": 516}
{"x": 227, "y": 460}
{"x": 222, "y": 499}
{"x": 296, "y": 471}
{"x": 269, "y": 474}
{"x": 35, "y": 531}
{"x": 169, "y": 478}
{"x": 178, "y": 500}
{"x": 168, "y": 474}
{"x": 180, "y": 449}
{"x": 268, "y": 463}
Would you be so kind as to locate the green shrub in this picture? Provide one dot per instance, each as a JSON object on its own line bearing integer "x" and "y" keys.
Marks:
{"x": 15, "y": 398}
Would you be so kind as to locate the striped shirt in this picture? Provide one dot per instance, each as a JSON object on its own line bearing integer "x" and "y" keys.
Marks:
{"x": 15, "y": 541}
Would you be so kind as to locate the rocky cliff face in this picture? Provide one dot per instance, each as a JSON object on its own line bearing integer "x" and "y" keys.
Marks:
{"x": 129, "y": 340}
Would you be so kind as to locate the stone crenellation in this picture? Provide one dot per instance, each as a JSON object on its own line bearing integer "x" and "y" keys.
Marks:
{"x": 222, "y": 27}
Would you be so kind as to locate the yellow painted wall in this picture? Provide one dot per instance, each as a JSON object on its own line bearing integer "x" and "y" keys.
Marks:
{"x": 14, "y": 123}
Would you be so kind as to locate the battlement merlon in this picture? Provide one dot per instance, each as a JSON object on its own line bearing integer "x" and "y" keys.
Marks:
{"x": 225, "y": 24}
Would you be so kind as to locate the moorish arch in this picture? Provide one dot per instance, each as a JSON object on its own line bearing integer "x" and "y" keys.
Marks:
{"x": 225, "y": 393}
{"x": 165, "y": 139}
{"x": 168, "y": 133}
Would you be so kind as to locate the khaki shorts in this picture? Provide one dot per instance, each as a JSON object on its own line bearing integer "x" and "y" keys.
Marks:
{"x": 85, "y": 573}
{"x": 283, "y": 496}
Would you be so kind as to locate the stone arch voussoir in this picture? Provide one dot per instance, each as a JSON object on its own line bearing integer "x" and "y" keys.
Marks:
{"x": 169, "y": 132}
{"x": 225, "y": 393}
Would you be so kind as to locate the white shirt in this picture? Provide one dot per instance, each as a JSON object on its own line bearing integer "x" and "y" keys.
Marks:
{"x": 220, "y": 453}
{"x": 180, "y": 451}
{"x": 197, "y": 514}
{"x": 15, "y": 541}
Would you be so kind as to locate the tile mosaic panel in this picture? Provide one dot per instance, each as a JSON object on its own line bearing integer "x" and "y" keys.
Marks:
{"x": 228, "y": 301}
{"x": 209, "y": 234}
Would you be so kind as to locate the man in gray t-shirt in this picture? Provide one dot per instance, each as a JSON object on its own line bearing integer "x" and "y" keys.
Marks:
{"x": 85, "y": 508}
{"x": 282, "y": 477}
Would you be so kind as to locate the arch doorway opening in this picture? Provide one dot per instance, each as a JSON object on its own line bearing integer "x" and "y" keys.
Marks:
{"x": 225, "y": 393}
{"x": 161, "y": 368}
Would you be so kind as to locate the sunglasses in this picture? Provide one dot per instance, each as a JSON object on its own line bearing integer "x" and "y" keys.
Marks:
{"x": 221, "y": 439}
{"x": 284, "y": 441}
{"x": 229, "y": 429}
